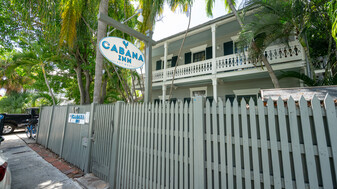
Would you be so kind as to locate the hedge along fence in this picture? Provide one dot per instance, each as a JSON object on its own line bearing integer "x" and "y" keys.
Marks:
{"x": 204, "y": 145}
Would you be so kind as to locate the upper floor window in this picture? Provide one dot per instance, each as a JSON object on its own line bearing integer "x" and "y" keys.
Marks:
{"x": 199, "y": 56}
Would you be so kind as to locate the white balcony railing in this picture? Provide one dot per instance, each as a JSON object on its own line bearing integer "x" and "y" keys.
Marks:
{"x": 275, "y": 54}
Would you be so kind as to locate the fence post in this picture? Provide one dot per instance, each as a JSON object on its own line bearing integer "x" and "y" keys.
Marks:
{"x": 198, "y": 133}
{"x": 39, "y": 124}
{"x": 90, "y": 139}
{"x": 115, "y": 143}
{"x": 50, "y": 123}
{"x": 64, "y": 130}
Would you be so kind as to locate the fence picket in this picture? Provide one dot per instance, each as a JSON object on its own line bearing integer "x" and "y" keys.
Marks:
{"x": 222, "y": 144}
{"x": 125, "y": 180}
{"x": 160, "y": 149}
{"x": 148, "y": 145}
{"x": 151, "y": 176}
{"x": 131, "y": 147}
{"x": 255, "y": 154}
{"x": 264, "y": 147}
{"x": 238, "y": 167}
{"x": 167, "y": 141}
{"x": 321, "y": 143}
{"x": 208, "y": 146}
{"x": 332, "y": 128}
{"x": 181, "y": 163}
{"x": 308, "y": 144}
{"x": 155, "y": 165}
{"x": 273, "y": 145}
{"x": 121, "y": 147}
{"x": 138, "y": 146}
{"x": 295, "y": 143}
{"x": 229, "y": 144}
{"x": 191, "y": 155}
{"x": 215, "y": 145}
{"x": 185, "y": 151}
{"x": 284, "y": 144}
{"x": 245, "y": 137}
{"x": 171, "y": 145}
{"x": 176, "y": 140}
{"x": 142, "y": 145}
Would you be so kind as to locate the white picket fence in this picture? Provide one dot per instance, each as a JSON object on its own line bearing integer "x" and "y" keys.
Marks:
{"x": 219, "y": 145}
{"x": 228, "y": 146}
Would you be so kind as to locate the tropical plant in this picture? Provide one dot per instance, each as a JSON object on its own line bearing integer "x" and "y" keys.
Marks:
{"x": 14, "y": 102}
{"x": 36, "y": 56}
{"x": 253, "y": 44}
{"x": 327, "y": 80}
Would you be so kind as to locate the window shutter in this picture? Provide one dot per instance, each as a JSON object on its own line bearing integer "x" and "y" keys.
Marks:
{"x": 188, "y": 58}
{"x": 209, "y": 53}
{"x": 174, "y": 61}
{"x": 158, "y": 65}
{"x": 228, "y": 48}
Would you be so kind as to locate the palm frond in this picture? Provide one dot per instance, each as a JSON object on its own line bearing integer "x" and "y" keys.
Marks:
{"x": 306, "y": 80}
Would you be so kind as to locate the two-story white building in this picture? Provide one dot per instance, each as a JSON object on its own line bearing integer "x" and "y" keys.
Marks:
{"x": 210, "y": 65}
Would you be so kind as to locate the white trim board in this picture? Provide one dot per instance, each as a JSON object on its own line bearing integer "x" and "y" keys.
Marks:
{"x": 198, "y": 89}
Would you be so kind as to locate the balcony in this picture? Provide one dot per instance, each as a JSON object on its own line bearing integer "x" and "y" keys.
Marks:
{"x": 276, "y": 54}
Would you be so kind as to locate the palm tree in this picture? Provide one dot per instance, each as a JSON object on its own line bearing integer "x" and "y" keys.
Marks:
{"x": 279, "y": 20}
{"x": 254, "y": 46}
{"x": 327, "y": 80}
{"x": 12, "y": 80}
{"x": 37, "y": 56}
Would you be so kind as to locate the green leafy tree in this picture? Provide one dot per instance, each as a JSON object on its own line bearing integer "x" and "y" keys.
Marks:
{"x": 253, "y": 44}
{"x": 14, "y": 102}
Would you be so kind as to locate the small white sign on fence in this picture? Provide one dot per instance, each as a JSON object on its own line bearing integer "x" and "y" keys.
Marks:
{"x": 78, "y": 118}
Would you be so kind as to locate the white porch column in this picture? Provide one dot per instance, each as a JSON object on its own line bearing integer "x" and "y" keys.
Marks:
{"x": 164, "y": 93}
{"x": 215, "y": 89}
{"x": 164, "y": 72}
{"x": 165, "y": 61}
{"x": 213, "y": 49}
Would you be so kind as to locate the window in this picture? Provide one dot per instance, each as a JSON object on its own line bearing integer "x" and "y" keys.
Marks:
{"x": 158, "y": 65}
{"x": 169, "y": 63}
{"x": 228, "y": 48}
{"x": 247, "y": 94}
{"x": 198, "y": 91}
{"x": 199, "y": 56}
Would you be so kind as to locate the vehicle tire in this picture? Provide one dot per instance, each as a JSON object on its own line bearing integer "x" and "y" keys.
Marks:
{"x": 8, "y": 128}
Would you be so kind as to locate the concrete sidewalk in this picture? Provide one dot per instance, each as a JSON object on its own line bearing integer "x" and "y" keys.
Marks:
{"x": 29, "y": 170}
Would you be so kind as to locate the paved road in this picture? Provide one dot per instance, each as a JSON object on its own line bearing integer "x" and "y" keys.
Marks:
{"x": 29, "y": 170}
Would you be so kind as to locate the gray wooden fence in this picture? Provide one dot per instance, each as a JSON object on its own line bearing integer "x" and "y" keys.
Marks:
{"x": 203, "y": 145}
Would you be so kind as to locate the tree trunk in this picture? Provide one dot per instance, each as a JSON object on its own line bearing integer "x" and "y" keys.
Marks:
{"x": 104, "y": 85}
{"x": 264, "y": 59}
{"x": 101, "y": 33}
{"x": 47, "y": 83}
{"x": 87, "y": 86}
{"x": 78, "y": 71}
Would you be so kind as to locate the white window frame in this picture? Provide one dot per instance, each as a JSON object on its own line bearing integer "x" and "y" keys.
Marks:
{"x": 197, "y": 50}
{"x": 169, "y": 57}
{"x": 198, "y": 89}
{"x": 242, "y": 92}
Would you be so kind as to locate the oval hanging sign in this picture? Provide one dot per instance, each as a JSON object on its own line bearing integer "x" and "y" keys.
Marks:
{"x": 121, "y": 52}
